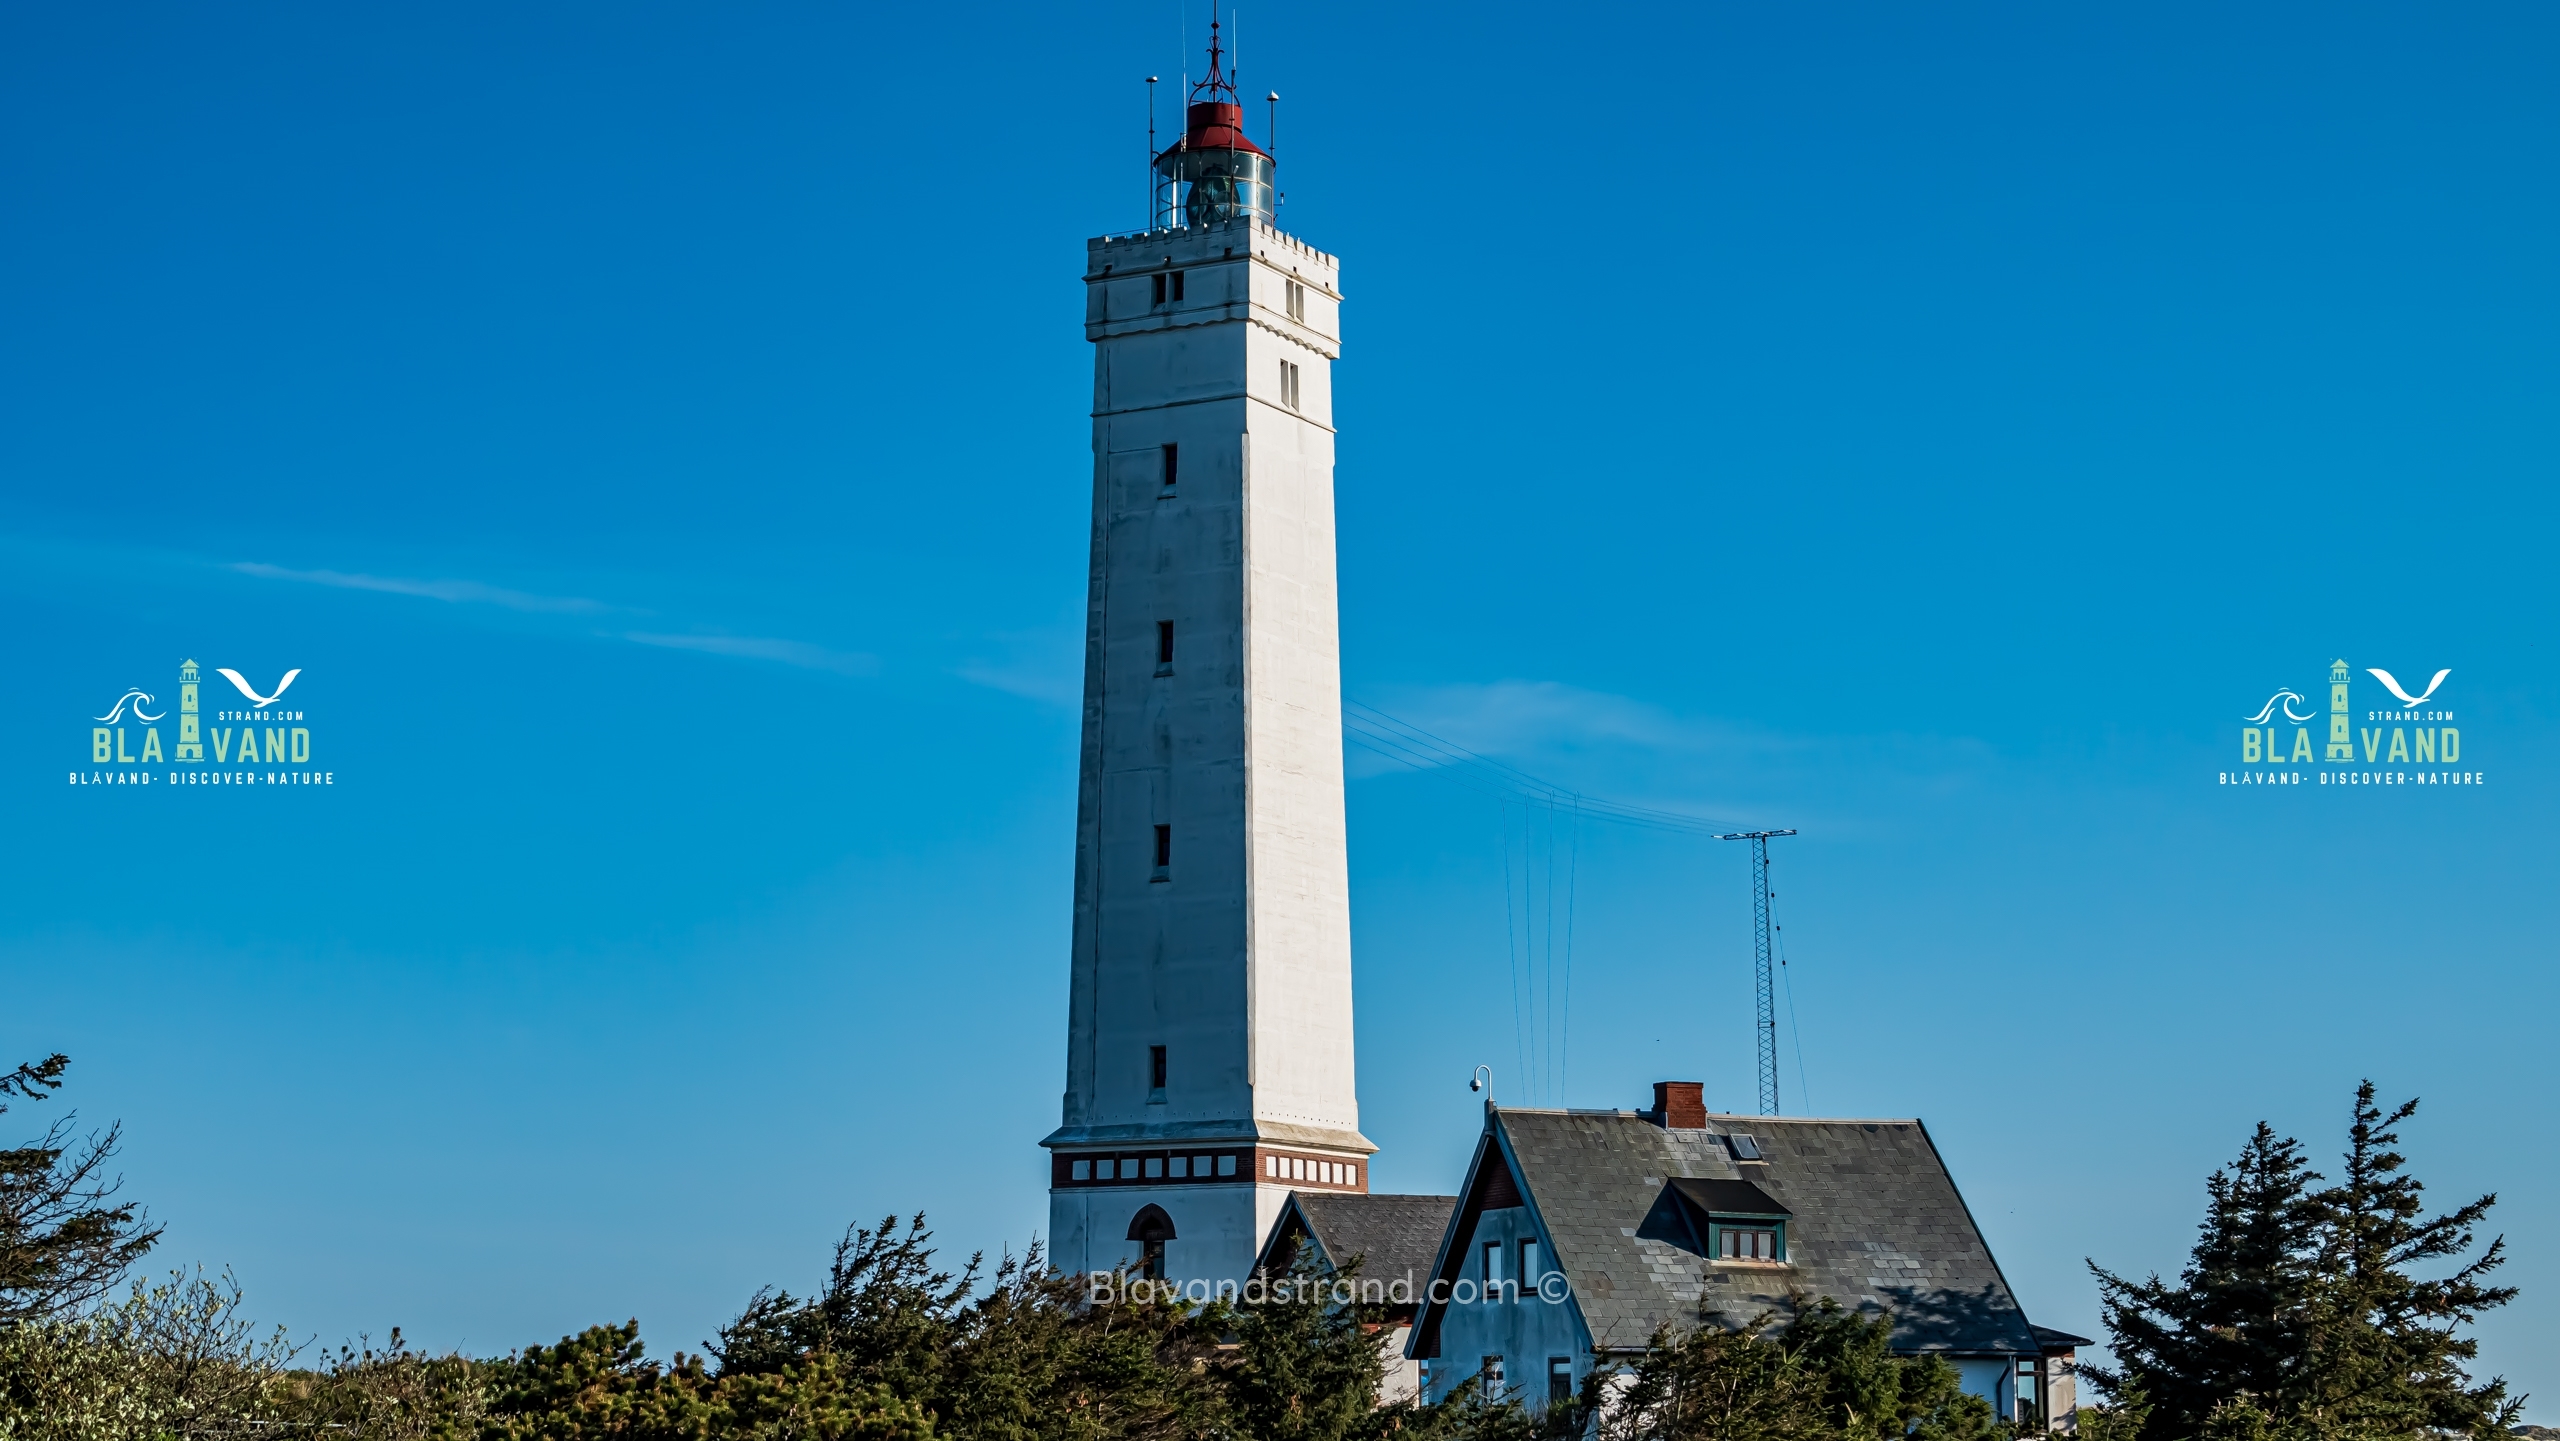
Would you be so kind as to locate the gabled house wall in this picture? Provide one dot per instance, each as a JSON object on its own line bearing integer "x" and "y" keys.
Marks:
{"x": 1511, "y": 1340}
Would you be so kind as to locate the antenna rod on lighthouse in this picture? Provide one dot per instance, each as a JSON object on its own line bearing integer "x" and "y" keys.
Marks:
{"x": 1767, "y": 1019}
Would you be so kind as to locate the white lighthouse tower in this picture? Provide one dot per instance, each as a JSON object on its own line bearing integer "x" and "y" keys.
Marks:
{"x": 1209, "y": 1046}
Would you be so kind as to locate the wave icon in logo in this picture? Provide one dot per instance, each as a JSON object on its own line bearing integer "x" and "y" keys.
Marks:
{"x": 2286, "y": 698}
{"x": 2406, "y": 699}
{"x": 139, "y": 698}
{"x": 263, "y": 701}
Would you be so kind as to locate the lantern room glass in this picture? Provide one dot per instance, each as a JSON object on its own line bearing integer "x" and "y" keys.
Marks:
{"x": 1212, "y": 186}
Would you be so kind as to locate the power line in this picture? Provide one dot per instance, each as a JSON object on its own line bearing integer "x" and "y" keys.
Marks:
{"x": 1545, "y": 1042}
{"x": 1400, "y": 740}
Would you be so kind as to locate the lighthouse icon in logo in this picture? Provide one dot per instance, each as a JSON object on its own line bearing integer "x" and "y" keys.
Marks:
{"x": 190, "y": 718}
{"x": 2342, "y": 746}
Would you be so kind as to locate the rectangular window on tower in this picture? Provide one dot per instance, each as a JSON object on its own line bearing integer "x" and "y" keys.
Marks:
{"x": 1172, "y": 466}
{"x": 1295, "y": 296}
{"x": 1164, "y": 647}
{"x": 1158, "y": 288}
{"x": 1164, "y": 853}
{"x": 1155, "y": 1068}
{"x": 1177, "y": 287}
{"x": 1289, "y": 384}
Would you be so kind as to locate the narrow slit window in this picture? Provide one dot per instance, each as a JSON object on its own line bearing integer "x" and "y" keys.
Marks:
{"x": 1172, "y": 464}
{"x": 1159, "y": 288}
{"x": 1164, "y": 642}
{"x": 1177, "y": 287}
{"x": 1164, "y": 847}
{"x": 1289, "y": 384}
{"x": 1155, "y": 1067}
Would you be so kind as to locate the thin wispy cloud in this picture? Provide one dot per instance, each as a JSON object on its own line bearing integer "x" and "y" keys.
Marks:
{"x": 460, "y": 592}
{"x": 472, "y": 592}
{"x": 1523, "y": 717}
{"x": 1636, "y": 753}
{"x": 1048, "y": 686}
{"x": 788, "y": 652}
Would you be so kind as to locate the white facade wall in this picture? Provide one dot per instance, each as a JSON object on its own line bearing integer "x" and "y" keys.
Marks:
{"x": 1236, "y": 958}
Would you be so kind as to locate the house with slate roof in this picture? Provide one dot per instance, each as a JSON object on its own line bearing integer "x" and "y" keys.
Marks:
{"x": 1391, "y": 1240}
{"x": 1581, "y": 1232}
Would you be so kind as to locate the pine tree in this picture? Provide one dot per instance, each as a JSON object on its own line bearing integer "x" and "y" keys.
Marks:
{"x": 1307, "y": 1361}
{"x": 2235, "y": 1321}
{"x": 64, "y": 1240}
{"x": 2385, "y": 1351}
{"x": 2297, "y": 1318}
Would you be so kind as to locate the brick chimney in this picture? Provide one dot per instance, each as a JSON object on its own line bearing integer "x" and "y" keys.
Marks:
{"x": 1680, "y": 1105}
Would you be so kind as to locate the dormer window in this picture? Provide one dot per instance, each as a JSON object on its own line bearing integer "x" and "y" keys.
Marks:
{"x": 1750, "y": 1240}
{"x": 1735, "y": 1220}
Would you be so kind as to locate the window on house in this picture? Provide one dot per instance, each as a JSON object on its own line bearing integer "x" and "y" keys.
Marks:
{"x": 1492, "y": 1269}
{"x": 1530, "y": 1274}
{"x": 1164, "y": 642}
{"x": 1155, "y": 1054}
{"x": 1172, "y": 455}
{"x": 1748, "y": 1243}
{"x": 1491, "y": 1371}
{"x": 2030, "y": 1395}
{"x": 1559, "y": 1380}
{"x": 1289, "y": 384}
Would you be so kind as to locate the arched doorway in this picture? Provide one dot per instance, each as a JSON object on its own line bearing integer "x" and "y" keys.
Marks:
{"x": 1151, "y": 1228}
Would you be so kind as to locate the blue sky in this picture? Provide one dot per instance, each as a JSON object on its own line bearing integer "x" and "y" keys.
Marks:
{"x": 657, "y": 435}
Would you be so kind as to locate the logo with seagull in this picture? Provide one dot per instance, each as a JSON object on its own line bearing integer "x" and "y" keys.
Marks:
{"x": 244, "y": 687}
{"x": 2407, "y": 700}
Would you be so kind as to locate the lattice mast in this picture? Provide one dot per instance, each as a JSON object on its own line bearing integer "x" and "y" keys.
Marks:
{"x": 1766, "y": 1020}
